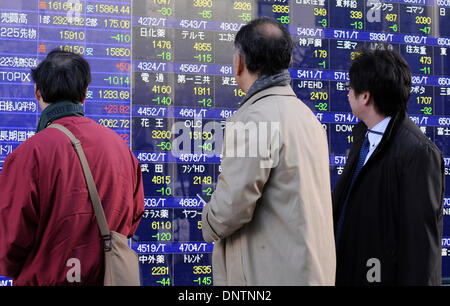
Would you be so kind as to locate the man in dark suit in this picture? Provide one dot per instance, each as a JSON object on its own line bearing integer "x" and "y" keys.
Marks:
{"x": 387, "y": 206}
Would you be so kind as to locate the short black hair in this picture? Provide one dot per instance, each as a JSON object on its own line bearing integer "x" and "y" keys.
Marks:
{"x": 386, "y": 75}
{"x": 266, "y": 46}
{"x": 62, "y": 76}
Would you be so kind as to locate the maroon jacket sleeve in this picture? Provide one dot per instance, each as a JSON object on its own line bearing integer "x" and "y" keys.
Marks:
{"x": 138, "y": 198}
{"x": 19, "y": 214}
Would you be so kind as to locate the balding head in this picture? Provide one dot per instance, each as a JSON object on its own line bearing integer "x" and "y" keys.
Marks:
{"x": 266, "y": 46}
{"x": 269, "y": 30}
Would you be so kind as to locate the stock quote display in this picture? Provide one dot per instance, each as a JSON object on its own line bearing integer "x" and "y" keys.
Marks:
{"x": 164, "y": 67}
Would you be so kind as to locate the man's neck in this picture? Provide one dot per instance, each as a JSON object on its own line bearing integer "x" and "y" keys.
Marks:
{"x": 373, "y": 120}
{"x": 248, "y": 82}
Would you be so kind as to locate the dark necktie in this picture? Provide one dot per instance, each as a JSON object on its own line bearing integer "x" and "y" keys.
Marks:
{"x": 362, "y": 158}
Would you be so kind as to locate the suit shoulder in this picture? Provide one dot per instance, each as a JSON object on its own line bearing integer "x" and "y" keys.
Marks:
{"x": 412, "y": 138}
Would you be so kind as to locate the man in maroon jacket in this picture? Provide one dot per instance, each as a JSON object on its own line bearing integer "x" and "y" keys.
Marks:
{"x": 47, "y": 223}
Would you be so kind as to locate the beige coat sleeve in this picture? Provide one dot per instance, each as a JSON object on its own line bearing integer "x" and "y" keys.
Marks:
{"x": 241, "y": 182}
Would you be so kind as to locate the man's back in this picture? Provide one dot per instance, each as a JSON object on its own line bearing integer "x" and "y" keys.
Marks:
{"x": 58, "y": 222}
{"x": 286, "y": 236}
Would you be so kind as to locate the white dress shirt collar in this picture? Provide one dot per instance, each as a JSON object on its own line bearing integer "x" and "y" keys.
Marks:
{"x": 375, "y": 138}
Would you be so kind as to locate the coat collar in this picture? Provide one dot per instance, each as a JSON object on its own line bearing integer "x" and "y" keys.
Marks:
{"x": 285, "y": 90}
{"x": 360, "y": 129}
{"x": 359, "y": 132}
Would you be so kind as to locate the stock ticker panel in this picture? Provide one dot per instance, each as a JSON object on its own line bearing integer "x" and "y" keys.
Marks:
{"x": 160, "y": 64}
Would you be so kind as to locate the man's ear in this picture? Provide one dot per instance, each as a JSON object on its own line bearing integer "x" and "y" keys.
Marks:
{"x": 240, "y": 64}
{"x": 37, "y": 93}
{"x": 366, "y": 98}
{"x": 85, "y": 95}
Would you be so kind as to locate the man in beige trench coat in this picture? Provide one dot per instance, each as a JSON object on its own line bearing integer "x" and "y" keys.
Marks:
{"x": 270, "y": 217}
